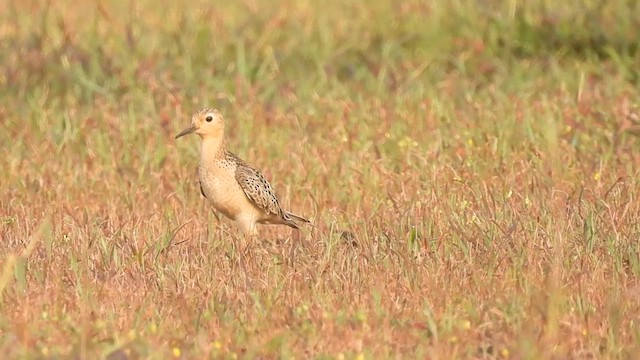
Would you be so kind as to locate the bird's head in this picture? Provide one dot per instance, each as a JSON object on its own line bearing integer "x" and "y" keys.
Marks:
{"x": 206, "y": 123}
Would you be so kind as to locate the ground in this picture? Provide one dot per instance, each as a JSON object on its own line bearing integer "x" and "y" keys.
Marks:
{"x": 471, "y": 168}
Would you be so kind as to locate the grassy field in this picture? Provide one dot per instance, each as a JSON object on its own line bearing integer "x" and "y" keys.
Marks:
{"x": 472, "y": 169}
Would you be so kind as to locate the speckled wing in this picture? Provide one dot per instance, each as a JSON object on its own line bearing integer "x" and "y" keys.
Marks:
{"x": 258, "y": 189}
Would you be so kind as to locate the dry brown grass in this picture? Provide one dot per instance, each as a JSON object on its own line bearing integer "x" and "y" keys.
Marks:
{"x": 469, "y": 203}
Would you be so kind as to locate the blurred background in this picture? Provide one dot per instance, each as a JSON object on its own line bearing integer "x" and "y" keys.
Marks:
{"x": 471, "y": 167}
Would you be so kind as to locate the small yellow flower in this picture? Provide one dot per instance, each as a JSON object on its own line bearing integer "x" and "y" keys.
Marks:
{"x": 527, "y": 201}
{"x": 596, "y": 176}
{"x": 584, "y": 332}
{"x": 340, "y": 356}
{"x": 44, "y": 351}
{"x": 153, "y": 328}
{"x": 217, "y": 345}
{"x": 504, "y": 352}
{"x": 470, "y": 142}
{"x": 360, "y": 356}
{"x": 176, "y": 352}
{"x": 234, "y": 355}
{"x": 407, "y": 142}
{"x": 466, "y": 324}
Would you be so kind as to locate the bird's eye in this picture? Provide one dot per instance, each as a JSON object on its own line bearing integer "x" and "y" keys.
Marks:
{"x": 209, "y": 118}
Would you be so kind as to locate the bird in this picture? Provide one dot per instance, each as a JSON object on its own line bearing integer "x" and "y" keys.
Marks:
{"x": 233, "y": 187}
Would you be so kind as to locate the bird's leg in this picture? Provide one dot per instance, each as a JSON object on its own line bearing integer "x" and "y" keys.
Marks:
{"x": 247, "y": 226}
{"x": 215, "y": 213}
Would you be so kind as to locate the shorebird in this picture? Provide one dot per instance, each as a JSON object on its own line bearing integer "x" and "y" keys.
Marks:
{"x": 231, "y": 186}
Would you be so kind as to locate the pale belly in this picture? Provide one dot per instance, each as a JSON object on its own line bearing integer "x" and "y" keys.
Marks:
{"x": 226, "y": 196}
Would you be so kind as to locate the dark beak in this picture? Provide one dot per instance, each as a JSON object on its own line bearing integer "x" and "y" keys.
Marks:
{"x": 186, "y": 131}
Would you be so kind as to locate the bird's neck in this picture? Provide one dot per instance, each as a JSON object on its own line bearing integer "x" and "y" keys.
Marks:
{"x": 212, "y": 147}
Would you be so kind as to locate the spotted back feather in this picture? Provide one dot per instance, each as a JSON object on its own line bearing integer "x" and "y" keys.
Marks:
{"x": 257, "y": 188}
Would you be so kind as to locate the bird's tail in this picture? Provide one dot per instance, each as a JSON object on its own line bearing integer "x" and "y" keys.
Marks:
{"x": 291, "y": 220}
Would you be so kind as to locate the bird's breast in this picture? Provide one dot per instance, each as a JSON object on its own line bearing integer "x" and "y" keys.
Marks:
{"x": 223, "y": 191}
